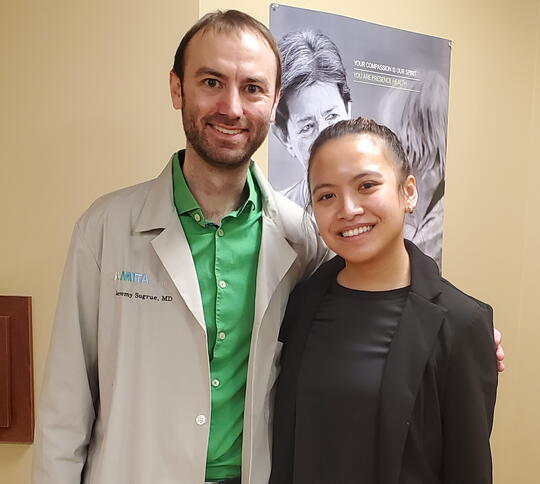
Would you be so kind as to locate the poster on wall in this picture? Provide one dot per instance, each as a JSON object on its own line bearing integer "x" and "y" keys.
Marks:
{"x": 335, "y": 68}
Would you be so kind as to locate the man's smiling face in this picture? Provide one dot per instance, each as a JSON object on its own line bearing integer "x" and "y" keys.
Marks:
{"x": 227, "y": 96}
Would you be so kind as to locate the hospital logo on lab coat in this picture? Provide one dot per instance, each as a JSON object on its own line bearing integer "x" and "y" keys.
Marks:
{"x": 131, "y": 276}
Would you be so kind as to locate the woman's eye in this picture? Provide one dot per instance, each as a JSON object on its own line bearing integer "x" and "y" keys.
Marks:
{"x": 367, "y": 185}
{"x": 211, "y": 82}
{"x": 325, "y": 196}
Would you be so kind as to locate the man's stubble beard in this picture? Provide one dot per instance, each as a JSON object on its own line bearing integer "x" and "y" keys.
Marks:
{"x": 209, "y": 154}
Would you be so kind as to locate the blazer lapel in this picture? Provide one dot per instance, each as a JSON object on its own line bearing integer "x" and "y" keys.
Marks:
{"x": 411, "y": 347}
{"x": 409, "y": 352}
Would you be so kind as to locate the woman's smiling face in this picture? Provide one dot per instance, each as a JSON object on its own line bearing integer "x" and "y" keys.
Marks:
{"x": 359, "y": 202}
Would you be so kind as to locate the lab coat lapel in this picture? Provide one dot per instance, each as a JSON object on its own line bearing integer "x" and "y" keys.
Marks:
{"x": 172, "y": 248}
{"x": 170, "y": 244}
{"x": 276, "y": 257}
{"x": 411, "y": 347}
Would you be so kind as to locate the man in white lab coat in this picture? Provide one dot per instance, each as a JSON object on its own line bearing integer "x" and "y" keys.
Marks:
{"x": 164, "y": 348}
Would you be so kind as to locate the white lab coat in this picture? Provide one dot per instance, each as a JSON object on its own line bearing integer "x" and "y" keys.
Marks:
{"x": 126, "y": 394}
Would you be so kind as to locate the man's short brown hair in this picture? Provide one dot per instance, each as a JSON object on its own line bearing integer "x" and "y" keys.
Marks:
{"x": 226, "y": 21}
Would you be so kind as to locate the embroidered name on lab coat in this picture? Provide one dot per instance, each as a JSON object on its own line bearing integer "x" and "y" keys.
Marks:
{"x": 144, "y": 297}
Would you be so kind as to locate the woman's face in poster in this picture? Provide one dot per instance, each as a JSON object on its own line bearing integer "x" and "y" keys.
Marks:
{"x": 312, "y": 109}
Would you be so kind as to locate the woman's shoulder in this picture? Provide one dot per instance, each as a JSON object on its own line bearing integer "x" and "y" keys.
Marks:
{"x": 455, "y": 298}
{"x": 465, "y": 317}
{"x": 462, "y": 309}
{"x": 428, "y": 283}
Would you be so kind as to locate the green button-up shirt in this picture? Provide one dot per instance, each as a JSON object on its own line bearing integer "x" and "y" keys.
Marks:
{"x": 225, "y": 258}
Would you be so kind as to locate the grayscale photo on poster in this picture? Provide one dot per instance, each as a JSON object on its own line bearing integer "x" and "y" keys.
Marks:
{"x": 336, "y": 68}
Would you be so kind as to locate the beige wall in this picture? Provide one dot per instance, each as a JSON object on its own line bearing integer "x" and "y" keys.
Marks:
{"x": 524, "y": 385}
{"x": 85, "y": 110}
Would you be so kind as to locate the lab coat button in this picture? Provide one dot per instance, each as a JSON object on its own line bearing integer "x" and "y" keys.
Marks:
{"x": 215, "y": 382}
{"x": 201, "y": 419}
{"x": 222, "y": 335}
{"x": 222, "y": 284}
{"x": 197, "y": 217}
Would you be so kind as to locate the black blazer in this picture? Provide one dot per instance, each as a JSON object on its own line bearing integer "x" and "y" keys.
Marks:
{"x": 438, "y": 389}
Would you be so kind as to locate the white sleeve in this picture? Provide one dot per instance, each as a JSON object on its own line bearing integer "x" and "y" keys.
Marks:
{"x": 69, "y": 395}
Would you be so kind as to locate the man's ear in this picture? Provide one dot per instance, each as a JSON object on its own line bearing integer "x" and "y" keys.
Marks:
{"x": 284, "y": 139}
{"x": 175, "y": 86}
{"x": 277, "y": 96}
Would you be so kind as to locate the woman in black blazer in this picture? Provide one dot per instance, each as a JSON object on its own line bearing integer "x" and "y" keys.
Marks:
{"x": 388, "y": 374}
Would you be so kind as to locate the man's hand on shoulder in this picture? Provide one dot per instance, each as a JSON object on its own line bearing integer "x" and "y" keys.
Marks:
{"x": 499, "y": 351}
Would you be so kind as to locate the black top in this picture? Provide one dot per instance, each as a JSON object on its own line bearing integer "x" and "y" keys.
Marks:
{"x": 339, "y": 382}
{"x": 437, "y": 393}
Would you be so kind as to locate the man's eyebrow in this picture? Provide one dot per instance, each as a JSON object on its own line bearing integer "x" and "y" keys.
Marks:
{"x": 209, "y": 72}
{"x": 257, "y": 80}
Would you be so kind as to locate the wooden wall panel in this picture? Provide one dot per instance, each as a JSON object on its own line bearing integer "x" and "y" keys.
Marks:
{"x": 16, "y": 370}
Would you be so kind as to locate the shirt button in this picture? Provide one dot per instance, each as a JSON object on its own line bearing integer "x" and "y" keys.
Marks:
{"x": 222, "y": 284}
{"x": 220, "y": 232}
{"x": 215, "y": 382}
{"x": 197, "y": 217}
{"x": 201, "y": 419}
{"x": 221, "y": 336}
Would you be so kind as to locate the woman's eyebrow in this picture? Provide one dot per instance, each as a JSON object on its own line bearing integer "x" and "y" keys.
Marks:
{"x": 321, "y": 185}
{"x": 367, "y": 173}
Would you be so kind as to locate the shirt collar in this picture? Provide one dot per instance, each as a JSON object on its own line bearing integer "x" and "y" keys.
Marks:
{"x": 251, "y": 201}
{"x": 184, "y": 200}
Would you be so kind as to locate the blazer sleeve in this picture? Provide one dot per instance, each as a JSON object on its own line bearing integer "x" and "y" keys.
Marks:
{"x": 469, "y": 402}
{"x": 70, "y": 387}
